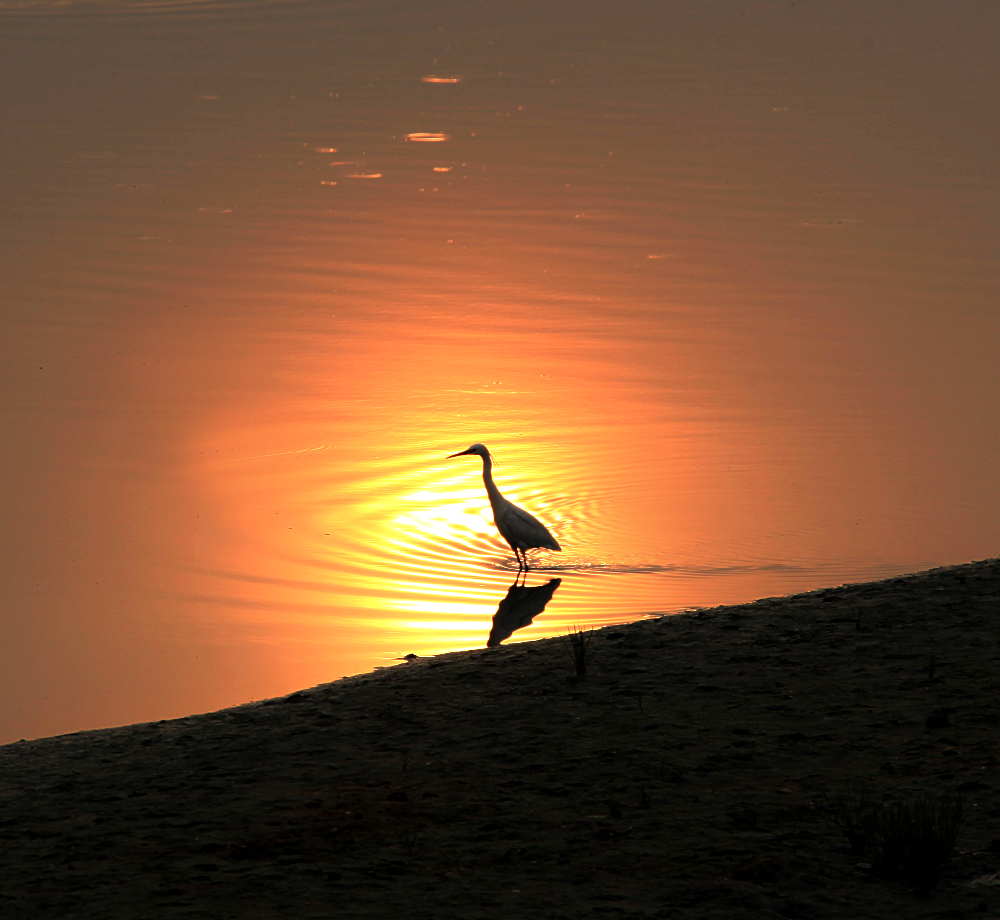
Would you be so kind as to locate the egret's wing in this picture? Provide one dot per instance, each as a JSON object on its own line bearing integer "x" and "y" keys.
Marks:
{"x": 524, "y": 530}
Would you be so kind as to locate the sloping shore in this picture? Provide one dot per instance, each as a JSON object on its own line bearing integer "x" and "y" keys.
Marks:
{"x": 692, "y": 773}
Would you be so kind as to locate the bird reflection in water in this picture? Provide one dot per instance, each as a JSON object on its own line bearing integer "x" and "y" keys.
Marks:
{"x": 521, "y": 605}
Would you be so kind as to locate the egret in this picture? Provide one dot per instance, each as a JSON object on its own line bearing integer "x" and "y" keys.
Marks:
{"x": 520, "y": 529}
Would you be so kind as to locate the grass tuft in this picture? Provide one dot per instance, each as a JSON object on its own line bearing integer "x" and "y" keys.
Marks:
{"x": 909, "y": 839}
{"x": 579, "y": 641}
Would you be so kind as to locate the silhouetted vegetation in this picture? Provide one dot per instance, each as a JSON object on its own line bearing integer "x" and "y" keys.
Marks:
{"x": 909, "y": 839}
{"x": 579, "y": 641}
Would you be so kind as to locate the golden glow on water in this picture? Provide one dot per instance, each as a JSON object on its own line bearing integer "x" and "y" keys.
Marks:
{"x": 397, "y": 541}
{"x": 725, "y": 320}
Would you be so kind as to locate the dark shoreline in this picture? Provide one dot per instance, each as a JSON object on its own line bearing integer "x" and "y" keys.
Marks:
{"x": 689, "y": 774}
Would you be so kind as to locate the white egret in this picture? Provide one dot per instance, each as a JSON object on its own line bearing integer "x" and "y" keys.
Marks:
{"x": 516, "y": 526}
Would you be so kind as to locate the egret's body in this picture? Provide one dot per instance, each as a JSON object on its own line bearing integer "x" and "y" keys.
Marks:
{"x": 520, "y": 529}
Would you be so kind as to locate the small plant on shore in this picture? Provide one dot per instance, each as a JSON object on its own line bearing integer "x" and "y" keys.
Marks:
{"x": 855, "y": 816}
{"x": 579, "y": 641}
{"x": 909, "y": 839}
{"x": 916, "y": 837}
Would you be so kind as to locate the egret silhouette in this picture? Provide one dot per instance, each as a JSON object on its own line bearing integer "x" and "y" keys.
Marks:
{"x": 520, "y": 529}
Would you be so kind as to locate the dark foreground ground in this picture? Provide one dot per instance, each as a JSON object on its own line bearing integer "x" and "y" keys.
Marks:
{"x": 703, "y": 768}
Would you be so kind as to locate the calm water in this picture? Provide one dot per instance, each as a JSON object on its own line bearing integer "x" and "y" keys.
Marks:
{"x": 716, "y": 282}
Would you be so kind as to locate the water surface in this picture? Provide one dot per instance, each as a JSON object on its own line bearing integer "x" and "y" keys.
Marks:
{"x": 716, "y": 283}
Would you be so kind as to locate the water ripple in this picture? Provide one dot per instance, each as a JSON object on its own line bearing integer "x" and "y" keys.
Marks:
{"x": 67, "y": 9}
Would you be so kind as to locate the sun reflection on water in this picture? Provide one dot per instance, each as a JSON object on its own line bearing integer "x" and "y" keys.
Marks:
{"x": 399, "y": 542}
{"x": 427, "y": 137}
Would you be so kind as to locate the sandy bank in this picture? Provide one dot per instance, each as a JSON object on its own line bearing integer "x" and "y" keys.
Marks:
{"x": 689, "y": 774}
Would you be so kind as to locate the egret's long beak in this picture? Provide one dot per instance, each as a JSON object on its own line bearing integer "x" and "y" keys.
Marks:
{"x": 459, "y": 454}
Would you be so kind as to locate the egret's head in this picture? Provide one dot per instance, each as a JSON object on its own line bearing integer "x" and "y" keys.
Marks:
{"x": 478, "y": 449}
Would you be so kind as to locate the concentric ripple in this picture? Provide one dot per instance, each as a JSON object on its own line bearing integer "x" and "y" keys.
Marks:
{"x": 403, "y": 546}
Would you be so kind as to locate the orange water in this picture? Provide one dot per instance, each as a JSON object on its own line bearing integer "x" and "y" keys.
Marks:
{"x": 717, "y": 285}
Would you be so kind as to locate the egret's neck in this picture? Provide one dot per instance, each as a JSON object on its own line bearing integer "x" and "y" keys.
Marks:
{"x": 491, "y": 488}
